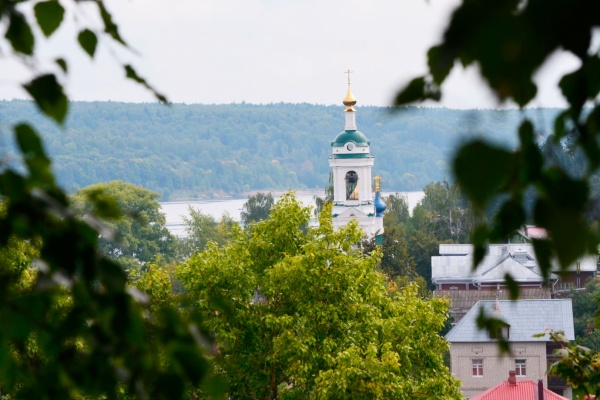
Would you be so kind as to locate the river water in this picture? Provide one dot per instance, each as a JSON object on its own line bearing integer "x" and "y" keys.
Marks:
{"x": 175, "y": 210}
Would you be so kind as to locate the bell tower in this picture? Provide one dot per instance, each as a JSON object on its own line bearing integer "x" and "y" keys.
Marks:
{"x": 351, "y": 163}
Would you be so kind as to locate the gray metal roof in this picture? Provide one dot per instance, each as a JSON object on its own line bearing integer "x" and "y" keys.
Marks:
{"x": 455, "y": 264}
{"x": 525, "y": 317}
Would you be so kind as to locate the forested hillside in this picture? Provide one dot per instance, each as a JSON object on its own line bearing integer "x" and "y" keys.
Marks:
{"x": 206, "y": 150}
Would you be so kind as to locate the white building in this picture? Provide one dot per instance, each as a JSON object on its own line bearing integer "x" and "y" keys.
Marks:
{"x": 351, "y": 162}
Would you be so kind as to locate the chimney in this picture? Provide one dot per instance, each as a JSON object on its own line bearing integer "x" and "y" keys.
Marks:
{"x": 512, "y": 377}
{"x": 541, "y": 389}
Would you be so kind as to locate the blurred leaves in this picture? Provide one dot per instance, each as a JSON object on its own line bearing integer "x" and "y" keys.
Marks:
{"x": 482, "y": 169}
{"x": 110, "y": 28}
{"x": 49, "y": 15}
{"x": 88, "y": 41}
{"x": 74, "y": 327}
{"x": 19, "y": 34}
{"x": 49, "y": 96}
{"x": 509, "y": 41}
{"x": 419, "y": 89}
{"x": 132, "y": 74}
{"x": 77, "y": 319}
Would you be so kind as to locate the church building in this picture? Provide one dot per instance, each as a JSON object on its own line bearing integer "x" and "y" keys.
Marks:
{"x": 351, "y": 162}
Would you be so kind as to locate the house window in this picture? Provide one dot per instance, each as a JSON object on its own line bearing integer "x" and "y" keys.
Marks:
{"x": 478, "y": 367}
{"x": 521, "y": 367}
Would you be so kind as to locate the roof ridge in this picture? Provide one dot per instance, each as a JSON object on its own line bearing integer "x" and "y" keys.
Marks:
{"x": 462, "y": 320}
{"x": 494, "y": 266}
{"x": 518, "y": 264}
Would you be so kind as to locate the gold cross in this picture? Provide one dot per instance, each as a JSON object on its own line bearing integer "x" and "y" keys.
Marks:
{"x": 348, "y": 72}
{"x": 377, "y": 180}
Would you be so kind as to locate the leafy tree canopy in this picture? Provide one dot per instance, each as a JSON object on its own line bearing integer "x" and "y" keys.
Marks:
{"x": 201, "y": 229}
{"x": 257, "y": 208}
{"x": 138, "y": 228}
{"x": 443, "y": 216}
{"x": 304, "y": 314}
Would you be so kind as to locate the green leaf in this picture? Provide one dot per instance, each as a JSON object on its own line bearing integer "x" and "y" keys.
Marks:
{"x": 479, "y": 238}
{"x": 573, "y": 87}
{"x": 215, "y": 386}
{"x": 109, "y": 26}
{"x": 49, "y": 15}
{"x": 62, "y": 64}
{"x": 543, "y": 255}
{"x": 440, "y": 63}
{"x": 513, "y": 287}
{"x": 88, "y": 41}
{"x": 132, "y": 74}
{"x": 560, "y": 124}
{"x": 567, "y": 193}
{"x": 531, "y": 160}
{"x": 568, "y": 230}
{"x": 49, "y": 96}
{"x": 481, "y": 169}
{"x": 195, "y": 367}
{"x": 19, "y": 34}
{"x": 35, "y": 157}
{"x": 105, "y": 206}
{"x": 417, "y": 90}
{"x": 510, "y": 217}
{"x": 478, "y": 255}
{"x": 494, "y": 328}
{"x": 29, "y": 142}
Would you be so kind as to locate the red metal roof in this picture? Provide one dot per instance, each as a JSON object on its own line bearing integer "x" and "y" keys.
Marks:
{"x": 522, "y": 390}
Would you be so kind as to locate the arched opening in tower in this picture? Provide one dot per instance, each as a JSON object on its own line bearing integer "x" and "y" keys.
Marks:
{"x": 351, "y": 185}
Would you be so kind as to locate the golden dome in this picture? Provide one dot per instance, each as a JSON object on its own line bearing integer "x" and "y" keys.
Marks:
{"x": 349, "y": 100}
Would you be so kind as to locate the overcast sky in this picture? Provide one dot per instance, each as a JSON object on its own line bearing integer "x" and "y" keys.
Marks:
{"x": 264, "y": 51}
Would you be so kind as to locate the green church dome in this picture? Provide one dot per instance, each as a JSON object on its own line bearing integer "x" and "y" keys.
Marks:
{"x": 357, "y": 137}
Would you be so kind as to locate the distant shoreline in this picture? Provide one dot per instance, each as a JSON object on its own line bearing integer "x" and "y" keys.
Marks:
{"x": 276, "y": 193}
{"x": 244, "y": 195}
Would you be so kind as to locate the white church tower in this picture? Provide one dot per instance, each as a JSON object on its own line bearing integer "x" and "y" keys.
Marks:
{"x": 351, "y": 162}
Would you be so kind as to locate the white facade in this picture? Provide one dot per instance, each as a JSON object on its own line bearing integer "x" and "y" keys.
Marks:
{"x": 351, "y": 163}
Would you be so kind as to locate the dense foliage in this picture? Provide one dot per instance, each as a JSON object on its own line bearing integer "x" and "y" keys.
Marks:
{"x": 585, "y": 305}
{"x": 303, "y": 314}
{"x": 201, "y": 229}
{"x": 203, "y": 150}
{"x": 509, "y": 41}
{"x": 410, "y": 240}
{"x": 579, "y": 366}
{"x": 73, "y": 327}
{"x": 137, "y": 233}
{"x": 257, "y": 208}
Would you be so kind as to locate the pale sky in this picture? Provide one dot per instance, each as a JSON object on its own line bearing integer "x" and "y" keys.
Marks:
{"x": 268, "y": 51}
